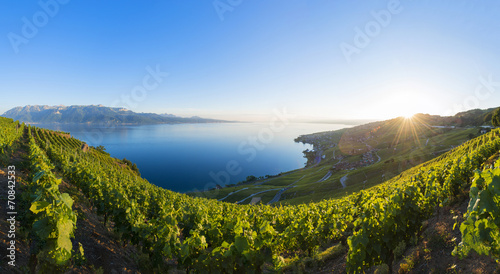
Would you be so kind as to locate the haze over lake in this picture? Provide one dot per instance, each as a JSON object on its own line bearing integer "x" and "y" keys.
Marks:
{"x": 186, "y": 157}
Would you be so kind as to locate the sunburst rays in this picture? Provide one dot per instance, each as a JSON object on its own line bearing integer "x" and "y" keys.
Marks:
{"x": 411, "y": 127}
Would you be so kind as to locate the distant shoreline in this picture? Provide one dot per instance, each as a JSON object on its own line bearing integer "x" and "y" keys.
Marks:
{"x": 127, "y": 124}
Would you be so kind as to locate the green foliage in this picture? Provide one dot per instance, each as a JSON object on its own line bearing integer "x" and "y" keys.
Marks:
{"x": 408, "y": 264}
{"x": 387, "y": 221}
{"x": 132, "y": 166}
{"x": 310, "y": 155}
{"x": 399, "y": 250}
{"x": 54, "y": 220}
{"x": 495, "y": 119}
{"x": 80, "y": 255}
{"x": 127, "y": 162}
{"x": 9, "y": 133}
{"x": 211, "y": 236}
{"x": 487, "y": 118}
{"x": 481, "y": 228}
{"x": 101, "y": 149}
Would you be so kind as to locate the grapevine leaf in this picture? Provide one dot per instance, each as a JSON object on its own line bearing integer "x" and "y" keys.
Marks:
{"x": 184, "y": 251}
{"x": 65, "y": 243}
{"x": 377, "y": 247}
{"x": 486, "y": 202}
{"x": 248, "y": 255}
{"x": 67, "y": 200}
{"x": 39, "y": 206}
{"x": 241, "y": 243}
{"x": 64, "y": 227}
{"x": 495, "y": 185}
{"x": 225, "y": 245}
{"x": 42, "y": 228}
{"x": 38, "y": 176}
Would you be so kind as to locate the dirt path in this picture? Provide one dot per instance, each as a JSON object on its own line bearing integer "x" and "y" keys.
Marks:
{"x": 378, "y": 157}
{"x": 343, "y": 180}
{"x": 277, "y": 197}
{"x": 318, "y": 158}
{"x": 22, "y": 250}
{"x": 101, "y": 248}
{"x": 241, "y": 201}
{"x": 326, "y": 177}
{"x": 232, "y": 193}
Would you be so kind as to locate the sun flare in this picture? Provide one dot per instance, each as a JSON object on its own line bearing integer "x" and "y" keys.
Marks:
{"x": 408, "y": 115}
{"x": 401, "y": 104}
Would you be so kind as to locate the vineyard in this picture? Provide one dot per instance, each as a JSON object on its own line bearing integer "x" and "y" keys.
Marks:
{"x": 201, "y": 235}
{"x": 11, "y": 131}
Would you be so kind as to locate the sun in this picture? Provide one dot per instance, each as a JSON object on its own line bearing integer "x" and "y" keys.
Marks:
{"x": 401, "y": 104}
{"x": 405, "y": 110}
{"x": 408, "y": 115}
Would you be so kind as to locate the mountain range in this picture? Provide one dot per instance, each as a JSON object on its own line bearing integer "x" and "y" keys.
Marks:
{"x": 95, "y": 114}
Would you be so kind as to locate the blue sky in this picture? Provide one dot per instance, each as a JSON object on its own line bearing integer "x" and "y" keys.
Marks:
{"x": 243, "y": 59}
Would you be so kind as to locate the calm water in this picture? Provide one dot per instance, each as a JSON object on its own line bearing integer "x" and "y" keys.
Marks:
{"x": 187, "y": 157}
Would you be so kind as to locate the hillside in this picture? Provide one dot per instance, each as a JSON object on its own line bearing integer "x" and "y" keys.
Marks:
{"x": 106, "y": 206}
{"x": 95, "y": 115}
{"x": 348, "y": 160}
{"x": 475, "y": 117}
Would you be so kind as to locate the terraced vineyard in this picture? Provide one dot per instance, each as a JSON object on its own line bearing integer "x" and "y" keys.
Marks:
{"x": 205, "y": 235}
{"x": 11, "y": 131}
{"x": 349, "y": 160}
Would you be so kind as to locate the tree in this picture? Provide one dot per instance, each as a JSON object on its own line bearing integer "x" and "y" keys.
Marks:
{"x": 101, "y": 149}
{"x": 135, "y": 169}
{"x": 488, "y": 117}
{"x": 310, "y": 155}
{"x": 127, "y": 162}
{"x": 495, "y": 119}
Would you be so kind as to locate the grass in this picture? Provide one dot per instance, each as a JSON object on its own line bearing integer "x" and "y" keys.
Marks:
{"x": 398, "y": 149}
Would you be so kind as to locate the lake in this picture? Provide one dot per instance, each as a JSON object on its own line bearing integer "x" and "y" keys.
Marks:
{"x": 189, "y": 157}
